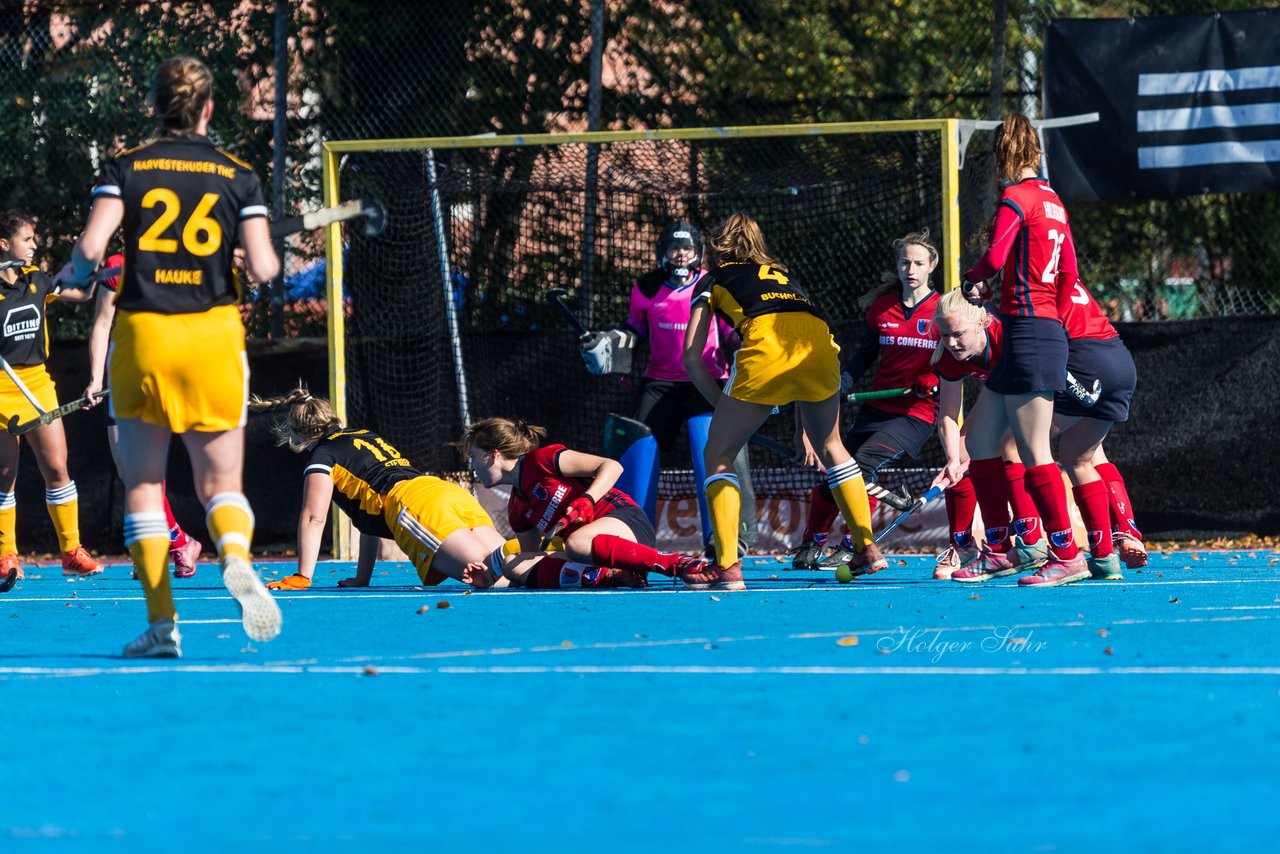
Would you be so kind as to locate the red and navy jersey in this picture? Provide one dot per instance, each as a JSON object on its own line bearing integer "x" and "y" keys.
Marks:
{"x": 904, "y": 340}
{"x": 542, "y": 494}
{"x": 1083, "y": 317}
{"x": 364, "y": 467}
{"x": 22, "y": 306}
{"x": 1031, "y": 242}
{"x": 184, "y": 200}
{"x": 742, "y": 290}
{"x": 952, "y": 369}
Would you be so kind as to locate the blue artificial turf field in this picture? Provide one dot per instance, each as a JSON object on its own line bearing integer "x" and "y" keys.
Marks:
{"x": 895, "y": 713}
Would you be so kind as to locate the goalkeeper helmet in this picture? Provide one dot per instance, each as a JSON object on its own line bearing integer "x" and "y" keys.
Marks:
{"x": 674, "y": 236}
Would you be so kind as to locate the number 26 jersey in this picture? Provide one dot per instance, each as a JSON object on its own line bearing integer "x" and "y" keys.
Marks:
{"x": 184, "y": 200}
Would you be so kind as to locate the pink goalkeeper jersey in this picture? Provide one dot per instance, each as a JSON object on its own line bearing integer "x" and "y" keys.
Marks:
{"x": 660, "y": 313}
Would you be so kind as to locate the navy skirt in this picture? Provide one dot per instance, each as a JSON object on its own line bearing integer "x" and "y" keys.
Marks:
{"x": 1105, "y": 378}
{"x": 1034, "y": 358}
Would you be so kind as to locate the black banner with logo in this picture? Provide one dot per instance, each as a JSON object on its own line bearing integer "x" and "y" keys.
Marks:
{"x": 1189, "y": 104}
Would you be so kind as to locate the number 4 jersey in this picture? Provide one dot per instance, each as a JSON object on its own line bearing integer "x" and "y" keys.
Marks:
{"x": 183, "y": 198}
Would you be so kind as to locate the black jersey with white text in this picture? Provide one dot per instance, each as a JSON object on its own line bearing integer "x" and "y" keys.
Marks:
{"x": 22, "y": 308}
{"x": 364, "y": 468}
{"x": 184, "y": 199}
{"x": 741, "y": 290}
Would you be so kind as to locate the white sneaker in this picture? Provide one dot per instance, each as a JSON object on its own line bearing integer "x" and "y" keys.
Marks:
{"x": 161, "y": 640}
{"x": 258, "y": 611}
{"x": 951, "y": 559}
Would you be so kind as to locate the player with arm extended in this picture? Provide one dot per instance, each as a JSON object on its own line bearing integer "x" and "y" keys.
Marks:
{"x": 558, "y": 491}
{"x": 1032, "y": 246}
{"x": 177, "y": 362}
{"x": 26, "y": 292}
{"x": 898, "y": 336}
{"x": 184, "y": 550}
{"x": 439, "y": 526}
{"x": 659, "y": 314}
{"x": 787, "y": 355}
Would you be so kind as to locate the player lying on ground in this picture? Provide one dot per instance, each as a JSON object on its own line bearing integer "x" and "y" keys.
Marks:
{"x": 555, "y": 490}
{"x": 898, "y": 337}
{"x": 439, "y": 526}
{"x": 543, "y": 571}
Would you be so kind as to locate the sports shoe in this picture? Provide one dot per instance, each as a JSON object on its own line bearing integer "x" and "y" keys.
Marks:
{"x": 8, "y": 562}
{"x": 78, "y": 562}
{"x": 294, "y": 582}
{"x": 806, "y": 555}
{"x": 258, "y": 611}
{"x": 1130, "y": 549}
{"x": 184, "y": 558}
{"x": 711, "y": 577}
{"x": 1031, "y": 556}
{"x": 161, "y": 640}
{"x": 952, "y": 559}
{"x": 1057, "y": 572}
{"x": 605, "y": 579}
{"x": 867, "y": 561}
{"x": 1106, "y": 568}
{"x": 987, "y": 565}
{"x": 841, "y": 555}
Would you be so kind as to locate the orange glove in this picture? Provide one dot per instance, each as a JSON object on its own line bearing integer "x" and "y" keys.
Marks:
{"x": 290, "y": 582}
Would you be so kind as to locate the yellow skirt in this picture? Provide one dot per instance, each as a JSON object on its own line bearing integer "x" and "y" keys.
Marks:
{"x": 785, "y": 357}
{"x": 13, "y": 402}
{"x": 423, "y": 512}
{"x": 181, "y": 371}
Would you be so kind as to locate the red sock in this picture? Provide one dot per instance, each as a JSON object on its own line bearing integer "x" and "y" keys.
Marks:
{"x": 992, "y": 489}
{"x": 619, "y": 553}
{"x": 1045, "y": 485}
{"x": 1118, "y": 497}
{"x": 546, "y": 575}
{"x": 177, "y": 536}
{"x": 1026, "y": 521}
{"x": 961, "y": 502}
{"x": 1095, "y": 509}
{"x": 822, "y": 513}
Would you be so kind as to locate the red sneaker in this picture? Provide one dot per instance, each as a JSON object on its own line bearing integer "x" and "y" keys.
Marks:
{"x": 1131, "y": 550}
{"x": 708, "y": 576}
{"x": 78, "y": 562}
{"x": 8, "y": 562}
{"x": 867, "y": 561}
{"x": 1057, "y": 572}
{"x": 987, "y": 565}
{"x": 184, "y": 558}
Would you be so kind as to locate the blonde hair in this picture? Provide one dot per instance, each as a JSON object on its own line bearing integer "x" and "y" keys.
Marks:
{"x": 889, "y": 281}
{"x": 954, "y": 304}
{"x": 1017, "y": 146}
{"x": 739, "y": 238}
{"x": 301, "y": 420}
{"x": 511, "y": 438}
{"x": 182, "y": 87}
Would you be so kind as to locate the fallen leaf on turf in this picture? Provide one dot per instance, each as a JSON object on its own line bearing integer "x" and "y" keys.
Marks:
{"x": 715, "y": 598}
{"x": 223, "y": 637}
{"x": 1102, "y": 633}
{"x": 1174, "y": 600}
{"x": 851, "y": 640}
{"x": 975, "y": 596}
{"x": 773, "y": 578}
{"x": 443, "y": 603}
{"x": 1108, "y": 651}
{"x": 566, "y": 643}
{"x": 424, "y": 609}
{"x": 902, "y": 562}
{"x": 370, "y": 670}
{"x": 638, "y": 635}
{"x": 709, "y": 646}
{"x": 1161, "y": 574}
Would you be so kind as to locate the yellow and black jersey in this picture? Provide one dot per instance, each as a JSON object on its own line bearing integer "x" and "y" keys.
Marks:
{"x": 364, "y": 467}
{"x": 22, "y": 305}
{"x": 738, "y": 291}
{"x": 184, "y": 199}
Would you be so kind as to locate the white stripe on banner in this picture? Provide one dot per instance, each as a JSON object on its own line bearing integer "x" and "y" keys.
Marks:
{"x": 1209, "y": 153}
{"x": 1197, "y": 118}
{"x": 1210, "y": 80}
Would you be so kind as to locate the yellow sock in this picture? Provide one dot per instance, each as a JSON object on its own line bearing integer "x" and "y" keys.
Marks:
{"x": 63, "y": 504}
{"x": 147, "y": 537}
{"x": 850, "y": 494}
{"x": 8, "y": 523}
{"x": 724, "y": 501}
{"x": 230, "y": 521}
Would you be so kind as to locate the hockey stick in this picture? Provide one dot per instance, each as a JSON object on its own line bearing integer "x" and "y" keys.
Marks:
{"x": 555, "y": 297}
{"x": 16, "y": 429}
{"x": 934, "y": 492}
{"x": 21, "y": 386}
{"x": 1087, "y": 397}
{"x": 859, "y": 396}
{"x": 6, "y": 583}
{"x": 369, "y": 210}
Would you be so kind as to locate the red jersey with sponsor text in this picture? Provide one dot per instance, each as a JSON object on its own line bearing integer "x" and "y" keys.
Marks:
{"x": 1083, "y": 317}
{"x": 542, "y": 494}
{"x": 907, "y": 339}
{"x": 980, "y": 366}
{"x": 1031, "y": 242}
